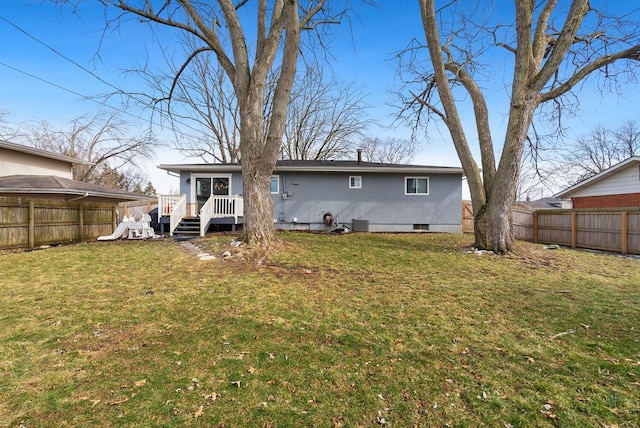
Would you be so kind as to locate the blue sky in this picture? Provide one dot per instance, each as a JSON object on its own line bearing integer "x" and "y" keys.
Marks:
{"x": 39, "y": 84}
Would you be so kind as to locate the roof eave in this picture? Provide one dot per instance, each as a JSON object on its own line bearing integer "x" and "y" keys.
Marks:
{"x": 77, "y": 194}
{"x": 43, "y": 153}
{"x": 177, "y": 168}
{"x": 382, "y": 169}
{"x": 566, "y": 194}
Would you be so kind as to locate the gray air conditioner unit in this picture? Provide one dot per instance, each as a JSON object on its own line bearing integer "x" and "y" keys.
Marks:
{"x": 358, "y": 225}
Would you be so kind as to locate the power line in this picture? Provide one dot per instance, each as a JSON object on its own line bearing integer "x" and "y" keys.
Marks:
{"x": 71, "y": 91}
{"x": 60, "y": 54}
{"x": 70, "y": 60}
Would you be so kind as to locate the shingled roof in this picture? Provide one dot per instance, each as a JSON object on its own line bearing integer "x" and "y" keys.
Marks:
{"x": 48, "y": 186}
{"x": 320, "y": 166}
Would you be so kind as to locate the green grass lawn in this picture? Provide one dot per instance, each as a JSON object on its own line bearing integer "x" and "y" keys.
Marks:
{"x": 360, "y": 330}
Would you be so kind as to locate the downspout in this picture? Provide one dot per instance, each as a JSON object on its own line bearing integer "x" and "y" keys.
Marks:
{"x": 86, "y": 194}
{"x": 283, "y": 191}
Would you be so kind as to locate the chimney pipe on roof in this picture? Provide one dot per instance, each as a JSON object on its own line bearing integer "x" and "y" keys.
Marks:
{"x": 359, "y": 156}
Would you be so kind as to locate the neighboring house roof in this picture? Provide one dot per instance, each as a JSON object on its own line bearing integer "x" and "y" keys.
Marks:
{"x": 48, "y": 186}
{"x": 548, "y": 203}
{"x": 41, "y": 153}
{"x": 603, "y": 175}
{"x": 320, "y": 166}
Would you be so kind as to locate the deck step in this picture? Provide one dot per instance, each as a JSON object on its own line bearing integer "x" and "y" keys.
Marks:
{"x": 189, "y": 226}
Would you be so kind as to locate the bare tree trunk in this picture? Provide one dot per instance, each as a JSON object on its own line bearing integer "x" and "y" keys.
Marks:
{"x": 259, "y": 230}
{"x": 493, "y": 224}
{"x": 548, "y": 63}
{"x": 257, "y": 168}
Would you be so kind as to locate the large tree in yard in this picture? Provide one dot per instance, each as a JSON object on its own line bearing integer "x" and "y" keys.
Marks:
{"x": 553, "y": 47}
{"x": 250, "y": 39}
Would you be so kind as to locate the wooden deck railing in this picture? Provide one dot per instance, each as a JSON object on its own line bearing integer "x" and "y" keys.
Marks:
{"x": 176, "y": 207}
{"x": 177, "y": 213}
{"x": 220, "y": 206}
{"x": 166, "y": 203}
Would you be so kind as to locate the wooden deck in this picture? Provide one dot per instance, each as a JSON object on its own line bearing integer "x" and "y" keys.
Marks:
{"x": 228, "y": 208}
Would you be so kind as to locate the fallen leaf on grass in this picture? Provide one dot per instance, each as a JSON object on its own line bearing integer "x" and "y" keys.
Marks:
{"x": 119, "y": 400}
{"x": 199, "y": 413}
{"x": 549, "y": 415}
{"x": 140, "y": 383}
{"x": 213, "y": 396}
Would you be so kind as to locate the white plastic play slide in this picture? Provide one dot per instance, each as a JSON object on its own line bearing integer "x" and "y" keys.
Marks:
{"x": 120, "y": 230}
{"x": 138, "y": 225}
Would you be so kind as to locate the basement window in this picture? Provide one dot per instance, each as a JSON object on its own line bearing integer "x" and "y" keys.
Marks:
{"x": 423, "y": 227}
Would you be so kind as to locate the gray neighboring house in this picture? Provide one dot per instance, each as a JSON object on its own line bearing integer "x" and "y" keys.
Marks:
{"x": 320, "y": 195}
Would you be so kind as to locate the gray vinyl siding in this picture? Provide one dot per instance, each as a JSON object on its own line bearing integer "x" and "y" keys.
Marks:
{"x": 381, "y": 200}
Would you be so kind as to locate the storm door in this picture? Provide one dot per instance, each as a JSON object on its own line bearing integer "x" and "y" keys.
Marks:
{"x": 207, "y": 186}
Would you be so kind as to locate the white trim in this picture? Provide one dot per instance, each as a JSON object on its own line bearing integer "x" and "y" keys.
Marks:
{"x": 357, "y": 185}
{"x": 415, "y": 178}
{"x": 567, "y": 193}
{"x": 192, "y": 184}
{"x": 277, "y": 177}
{"x": 399, "y": 169}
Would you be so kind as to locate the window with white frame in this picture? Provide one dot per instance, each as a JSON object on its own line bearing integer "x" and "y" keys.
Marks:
{"x": 355, "y": 182}
{"x": 416, "y": 186}
{"x": 275, "y": 184}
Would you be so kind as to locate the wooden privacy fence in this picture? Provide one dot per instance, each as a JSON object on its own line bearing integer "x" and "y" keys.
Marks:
{"x": 28, "y": 223}
{"x": 467, "y": 217}
{"x": 607, "y": 230}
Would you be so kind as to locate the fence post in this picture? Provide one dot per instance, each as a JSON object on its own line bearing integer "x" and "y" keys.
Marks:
{"x": 32, "y": 225}
{"x": 574, "y": 229}
{"x": 624, "y": 229}
{"x": 535, "y": 227}
{"x": 81, "y": 221}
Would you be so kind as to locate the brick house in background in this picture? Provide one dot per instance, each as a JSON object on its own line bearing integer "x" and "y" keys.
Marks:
{"x": 616, "y": 187}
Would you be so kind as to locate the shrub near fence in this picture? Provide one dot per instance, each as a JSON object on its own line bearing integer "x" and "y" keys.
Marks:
{"x": 607, "y": 230}
{"x": 27, "y": 223}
